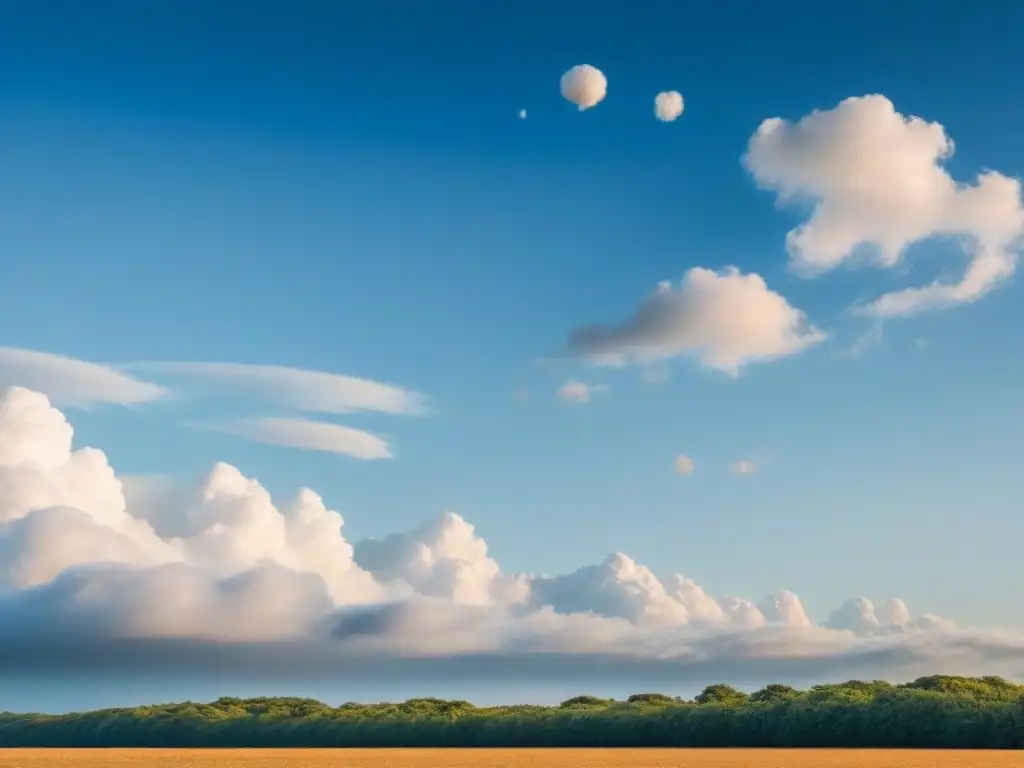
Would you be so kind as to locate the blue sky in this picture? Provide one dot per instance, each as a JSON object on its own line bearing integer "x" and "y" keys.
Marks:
{"x": 348, "y": 188}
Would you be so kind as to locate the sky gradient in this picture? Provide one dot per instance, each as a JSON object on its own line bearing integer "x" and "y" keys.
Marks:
{"x": 349, "y": 188}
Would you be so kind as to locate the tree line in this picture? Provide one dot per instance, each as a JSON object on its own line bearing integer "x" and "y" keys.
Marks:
{"x": 932, "y": 712}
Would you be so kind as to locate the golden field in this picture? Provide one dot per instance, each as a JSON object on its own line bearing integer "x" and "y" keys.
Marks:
{"x": 505, "y": 758}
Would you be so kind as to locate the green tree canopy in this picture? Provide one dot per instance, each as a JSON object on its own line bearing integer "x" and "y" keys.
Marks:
{"x": 651, "y": 698}
{"x": 939, "y": 711}
{"x": 774, "y": 693}
{"x": 722, "y": 694}
{"x": 585, "y": 701}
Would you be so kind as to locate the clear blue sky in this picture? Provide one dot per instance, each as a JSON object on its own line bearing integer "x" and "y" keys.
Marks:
{"x": 347, "y": 187}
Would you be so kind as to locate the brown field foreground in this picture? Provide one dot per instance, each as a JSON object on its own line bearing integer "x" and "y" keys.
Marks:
{"x": 507, "y": 758}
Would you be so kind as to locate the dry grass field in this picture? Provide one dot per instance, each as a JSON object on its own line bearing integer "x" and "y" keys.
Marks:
{"x": 503, "y": 758}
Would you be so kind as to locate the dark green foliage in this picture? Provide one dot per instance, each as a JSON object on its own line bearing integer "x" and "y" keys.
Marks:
{"x": 652, "y": 698}
{"x": 585, "y": 702}
{"x": 721, "y": 694}
{"x": 774, "y": 694}
{"x": 936, "y": 712}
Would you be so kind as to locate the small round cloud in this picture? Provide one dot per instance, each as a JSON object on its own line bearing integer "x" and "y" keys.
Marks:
{"x": 684, "y": 465}
{"x": 584, "y": 85}
{"x": 522, "y": 114}
{"x": 668, "y": 105}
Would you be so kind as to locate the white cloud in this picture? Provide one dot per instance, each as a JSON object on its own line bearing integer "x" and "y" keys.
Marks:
{"x": 72, "y": 382}
{"x": 872, "y": 337}
{"x": 83, "y": 572}
{"x": 876, "y": 179}
{"x": 725, "y": 320}
{"x": 584, "y": 85}
{"x": 304, "y": 390}
{"x": 684, "y": 465}
{"x": 668, "y": 105}
{"x": 579, "y": 393}
{"x": 617, "y": 588}
{"x": 744, "y": 467}
{"x": 522, "y": 114}
{"x": 307, "y": 435}
{"x": 861, "y": 617}
{"x": 785, "y": 608}
{"x": 442, "y": 558}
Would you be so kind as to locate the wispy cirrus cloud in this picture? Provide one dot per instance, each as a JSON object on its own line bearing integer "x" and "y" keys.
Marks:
{"x": 307, "y": 435}
{"x": 72, "y": 382}
{"x": 297, "y": 388}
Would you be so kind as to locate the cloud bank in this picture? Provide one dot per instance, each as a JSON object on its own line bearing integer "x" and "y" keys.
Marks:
{"x": 876, "y": 178}
{"x": 220, "y": 578}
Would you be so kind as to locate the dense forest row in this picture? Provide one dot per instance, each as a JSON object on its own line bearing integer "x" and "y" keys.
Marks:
{"x": 938, "y": 711}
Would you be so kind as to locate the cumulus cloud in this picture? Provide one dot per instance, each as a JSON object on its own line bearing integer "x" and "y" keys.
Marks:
{"x": 862, "y": 618}
{"x": 442, "y": 558}
{"x": 303, "y": 390}
{"x": 72, "y": 382}
{"x": 97, "y": 575}
{"x": 684, "y": 465}
{"x": 584, "y": 85}
{"x": 744, "y": 467}
{"x": 876, "y": 178}
{"x": 725, "y": 320}
{"x": 307, "y": 435}
{"x": 522, "y": 114}
{"x": 668, "y": 105}
{"x": 617, "y": 588}
{"x": 579, "y": 393}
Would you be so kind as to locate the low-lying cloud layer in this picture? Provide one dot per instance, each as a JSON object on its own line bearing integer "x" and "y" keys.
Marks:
{"x": 219, "y": 576}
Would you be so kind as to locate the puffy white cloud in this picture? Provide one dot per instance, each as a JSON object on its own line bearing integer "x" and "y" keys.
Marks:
{"x": 522, "y": 114}
{"x": 86, "y": 575}
{"x": 700, "y": 606}
{"x": 72, "y": 382}
{"x": 742, "y": 611}
{"x": 684, "y": 465}
{"x": 784, "y": 608}
{"x": 584, "y": 85}
{"x": 442, "y": 558}
{"x": 578, "y": 392}
{"x": 307, "y": 435}
{"x": 617, "y": 588}
{"x": 668, "y": 105}
{"x": 862, "y": 618}
{"x": 725, "y": 320}
{"x": 303, "y": 390}
{"x": 876, "y": 178}
{"x": 744, "y": 467}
